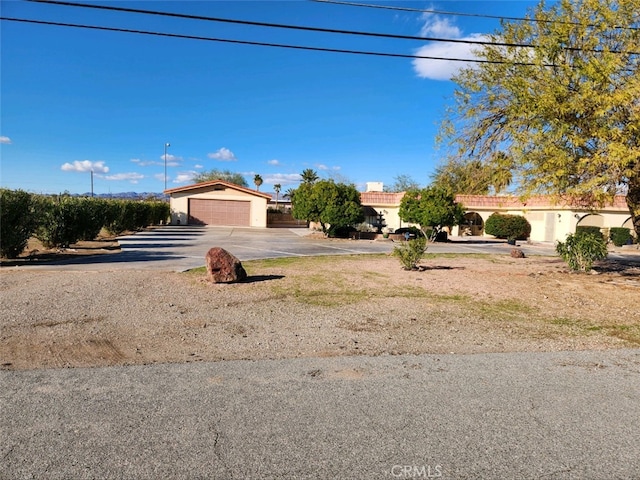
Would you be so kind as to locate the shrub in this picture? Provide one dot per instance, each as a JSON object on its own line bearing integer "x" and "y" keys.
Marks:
{"x": 129, "y": 215}
{"x": 586, "y": 229}
{"x": 17, "y": 223}
{"x": 410, "y": 253}
{"x": 620, "y": 236}
{"x": 581, "y": 250}
{"x": 93, "y": 216}
{"x": 61, "y": 218}
{"x": 514, "y": 227}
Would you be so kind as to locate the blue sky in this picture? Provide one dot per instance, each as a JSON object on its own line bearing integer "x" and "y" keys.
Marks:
{"x": 76, "y": 100}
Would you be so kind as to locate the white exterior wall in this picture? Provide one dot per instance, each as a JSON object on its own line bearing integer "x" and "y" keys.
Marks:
{"x": 553, "y": 224}
{"x": 179, "y": 202}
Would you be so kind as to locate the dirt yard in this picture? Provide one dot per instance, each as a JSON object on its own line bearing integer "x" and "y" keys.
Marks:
{"x": 324, "y": 306}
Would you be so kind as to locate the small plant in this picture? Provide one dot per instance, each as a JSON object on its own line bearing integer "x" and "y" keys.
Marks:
{"x": 581, "y": 250}
{"x": 410, "y": 253}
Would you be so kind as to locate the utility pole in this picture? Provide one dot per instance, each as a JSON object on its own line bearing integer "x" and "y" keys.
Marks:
{"x": 165, "y": 164}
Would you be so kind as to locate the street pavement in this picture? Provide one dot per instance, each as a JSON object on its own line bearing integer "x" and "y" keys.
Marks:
{"x": 565, "y": 415}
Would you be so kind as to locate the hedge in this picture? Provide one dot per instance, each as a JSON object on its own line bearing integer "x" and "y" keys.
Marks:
{"x": 61, "y": 220}
{"x": 620, "y": 236}
{"x": 17, "y": 223}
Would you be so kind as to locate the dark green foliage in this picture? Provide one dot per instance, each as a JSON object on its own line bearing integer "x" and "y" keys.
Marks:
{"x": 410, "y": 253}
{"x": 127, "y": 215}
{"x": 513, "y": 227}
{"x": 431, "y": 207}
{"x": 620, "y": 236}
{"x": 93, "y": 217}
{"x": 581, "y": 250}
{"x": 58, "y": 224}
{"x": 61, "y": 220}
{"x": 588, "y": 230}
{"x": 333, "y": 205}
{"x": 17, "y": 223}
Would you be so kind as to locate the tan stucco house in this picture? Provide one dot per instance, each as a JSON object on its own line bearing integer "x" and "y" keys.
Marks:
{"x": 218, "y": 203}
{"x": 550, "y": 222}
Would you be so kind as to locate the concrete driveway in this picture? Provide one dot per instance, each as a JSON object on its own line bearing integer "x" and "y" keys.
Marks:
{"x": 181, "y": 248}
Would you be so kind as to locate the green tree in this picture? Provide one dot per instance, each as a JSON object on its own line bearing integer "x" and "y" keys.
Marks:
{"x": 224, "y": 175}
{"x": 333, "y": 205}
{"x": 276, "y": 188}
{"x": 309, "y": 175}
{"x": 402, "y": 183}
{"x": 432, "y": 206}
{"x": 474, "y": 177}
{"x": 257, "y": 180}
{"x": 565, "y": 109}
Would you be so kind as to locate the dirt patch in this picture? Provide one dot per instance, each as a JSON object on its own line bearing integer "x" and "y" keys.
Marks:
{"x": 36, "y": 252}
{"x": 323, "y": 306}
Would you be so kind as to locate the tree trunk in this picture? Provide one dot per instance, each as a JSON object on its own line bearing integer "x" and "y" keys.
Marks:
{"x": 633, "y": 202}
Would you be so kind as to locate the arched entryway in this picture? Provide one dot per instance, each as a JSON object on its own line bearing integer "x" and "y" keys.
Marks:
{"x": 472, "y": 224}
{"x": 591, "y": 220}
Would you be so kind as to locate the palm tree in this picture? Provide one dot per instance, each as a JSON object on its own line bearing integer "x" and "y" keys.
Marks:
{"x": 258, "y": 181}
{"x": 277, "y": 188}
{"x": 309, "y": 176}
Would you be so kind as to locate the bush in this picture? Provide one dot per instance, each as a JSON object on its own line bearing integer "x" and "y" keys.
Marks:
{"x": 17, "y": 223}
{"x": 410, "y": 253}
{"x": 61, "y": 220}
{"x": 513, "y": 227}
{"x": 585, "y": 229}
{"x": 581, "y": 250}
{"x": 620, "y": 236}
{"x": 128, "y": 215}
{"x": 93, "y": 216}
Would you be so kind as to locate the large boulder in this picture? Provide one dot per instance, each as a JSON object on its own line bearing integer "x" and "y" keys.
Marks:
{"x": 223, "y": 267}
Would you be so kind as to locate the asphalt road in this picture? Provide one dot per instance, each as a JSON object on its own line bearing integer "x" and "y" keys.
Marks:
{"x": 490, "y": 416}
{"x": 181, "y": 248}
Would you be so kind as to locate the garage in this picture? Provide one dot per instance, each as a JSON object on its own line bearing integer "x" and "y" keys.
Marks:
{"x": 219, "y": 212}
{"x": 218, "y": 203}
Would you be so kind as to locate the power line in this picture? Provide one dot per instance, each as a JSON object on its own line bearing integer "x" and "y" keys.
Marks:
{"x": 315, "y": 29}
{"x": 459, "y": 14}
{"x": 276, "y": 25}
{"x": 264, "y": 44}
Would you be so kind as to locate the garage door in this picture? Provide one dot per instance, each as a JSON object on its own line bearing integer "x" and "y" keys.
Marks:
{"x": 219, "y": 212}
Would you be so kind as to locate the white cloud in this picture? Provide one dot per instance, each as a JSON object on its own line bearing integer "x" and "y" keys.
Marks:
{"x": 435, "y": 26}
{"x": 184, "y": 177}
{"x": 198, "y": 166}
{"x": 323, "y": 167}
{"x": 223, "y": 155}
{"x": 445, "y": 69}
{"x": 282, "y": 178}
{"x": 129, "y": 177}
{"x": 85, "y": 166}
{"x": 274, "y": 162}
{"x": 145, "y": 163}
{"x": 172, "y": 160}
{"x": 5, "y": 141}
{"x": 159, "y": 177}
